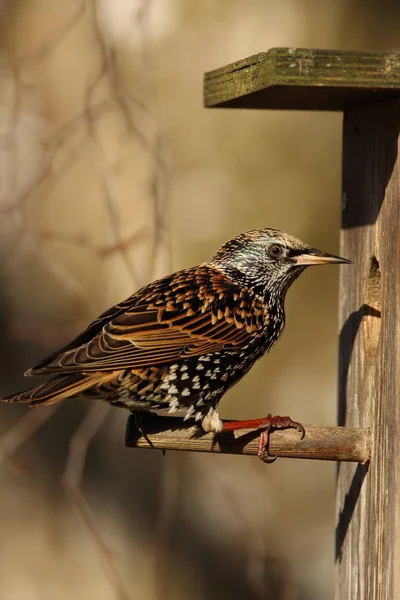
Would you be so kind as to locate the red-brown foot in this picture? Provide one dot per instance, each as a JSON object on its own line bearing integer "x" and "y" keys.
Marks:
{"x": 266, "y": 425}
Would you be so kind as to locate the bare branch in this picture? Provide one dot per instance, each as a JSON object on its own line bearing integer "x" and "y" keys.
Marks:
{"x": 79, "y": 443}
{"x": 54, "y": 40}
{"x": 106, "y": 93}
{"x": 72, "y": 480}
{"x": 22, "y": 430}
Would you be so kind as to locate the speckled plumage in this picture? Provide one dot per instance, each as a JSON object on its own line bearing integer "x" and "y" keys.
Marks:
{"x": 181, "y": 342}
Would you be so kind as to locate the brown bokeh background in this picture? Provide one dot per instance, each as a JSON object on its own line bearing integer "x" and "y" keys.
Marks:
{"x": 111, "y": 174}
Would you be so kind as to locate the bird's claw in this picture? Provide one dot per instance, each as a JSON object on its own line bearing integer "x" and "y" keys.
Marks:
{"x": 139, "y": 418}
{"x": 270, "y": 424}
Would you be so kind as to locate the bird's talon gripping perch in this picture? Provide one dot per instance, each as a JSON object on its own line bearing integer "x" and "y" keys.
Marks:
{"x": 286, "y": 423}
{"x": 266, "y": 425}
{"x": 263, "y": 450}
{"x": 271, "y": 424}
{"x": 139, "y": 424}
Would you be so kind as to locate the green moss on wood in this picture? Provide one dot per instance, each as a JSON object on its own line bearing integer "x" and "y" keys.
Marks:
{"x": 299, "y": 78}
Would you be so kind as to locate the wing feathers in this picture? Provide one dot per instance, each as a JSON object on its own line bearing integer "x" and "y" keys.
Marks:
{"x": 59, "y": 388}
{"x": 193, "y": 312}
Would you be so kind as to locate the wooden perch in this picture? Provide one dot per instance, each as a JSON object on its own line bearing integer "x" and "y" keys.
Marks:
{"x": 319, "y": 443}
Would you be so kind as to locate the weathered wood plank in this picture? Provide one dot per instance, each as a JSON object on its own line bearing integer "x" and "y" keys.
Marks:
{"x": 319, "y": 443}
{"x": 304, "y": 79}
{"x": 368, "y": 531}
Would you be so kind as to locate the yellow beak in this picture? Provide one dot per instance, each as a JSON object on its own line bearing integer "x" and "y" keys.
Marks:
{"x": 315, "y": 257}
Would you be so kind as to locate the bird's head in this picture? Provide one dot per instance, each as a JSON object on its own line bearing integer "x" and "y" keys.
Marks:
{"x": 268, "y": 260}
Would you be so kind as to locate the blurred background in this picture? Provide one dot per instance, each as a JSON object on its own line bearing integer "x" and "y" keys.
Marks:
{"x": 111, "y": 174}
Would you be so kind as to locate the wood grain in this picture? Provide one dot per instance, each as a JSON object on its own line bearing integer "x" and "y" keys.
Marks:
{"x": 319, "y": 443}
{"x": 307, "y": 79}
{"x": 368, "y": 530}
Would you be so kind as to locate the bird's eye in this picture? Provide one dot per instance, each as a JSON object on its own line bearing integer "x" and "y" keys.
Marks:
{"x": 275, "y": 251}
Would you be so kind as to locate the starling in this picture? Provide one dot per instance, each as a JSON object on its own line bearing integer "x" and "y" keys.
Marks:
{"x": 179, "y": 343}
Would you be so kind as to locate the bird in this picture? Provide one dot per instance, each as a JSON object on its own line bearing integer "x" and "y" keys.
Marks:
{"x": 181, "y": 342}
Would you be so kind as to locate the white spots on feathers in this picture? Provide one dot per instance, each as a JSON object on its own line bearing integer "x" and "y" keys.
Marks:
{"x": 173, "y": 405}
{"x": 196, "y": 382}
{"x": 189, "y": 412}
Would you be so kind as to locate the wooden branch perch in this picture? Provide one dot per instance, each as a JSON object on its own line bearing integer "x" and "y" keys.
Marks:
{"x": 319, "y": 443}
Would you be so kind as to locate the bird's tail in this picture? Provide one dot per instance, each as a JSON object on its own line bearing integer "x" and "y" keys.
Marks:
{"x": 56, "y": 389}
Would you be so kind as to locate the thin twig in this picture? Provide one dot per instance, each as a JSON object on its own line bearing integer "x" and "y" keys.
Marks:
{"x": 22, "y": 430}
{"x": 72, "y": 481}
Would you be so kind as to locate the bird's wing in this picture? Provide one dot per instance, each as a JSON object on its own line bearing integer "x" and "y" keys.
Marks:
{"x": 190, "y": 313}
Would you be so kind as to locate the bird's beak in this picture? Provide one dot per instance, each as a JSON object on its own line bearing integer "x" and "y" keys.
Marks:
{"x": 315, "y": 257}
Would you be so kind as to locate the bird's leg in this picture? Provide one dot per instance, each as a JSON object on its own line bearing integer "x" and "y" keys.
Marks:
{"x": 266, "y": 425}
{"x": 139, "y": 417}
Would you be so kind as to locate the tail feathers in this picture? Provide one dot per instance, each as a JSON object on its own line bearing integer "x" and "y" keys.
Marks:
{"x": 57, "y": 389}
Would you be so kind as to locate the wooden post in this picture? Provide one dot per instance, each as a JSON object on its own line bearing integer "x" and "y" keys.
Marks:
{"x": 366, "y": 87}
{"x": 368, "y": 529}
